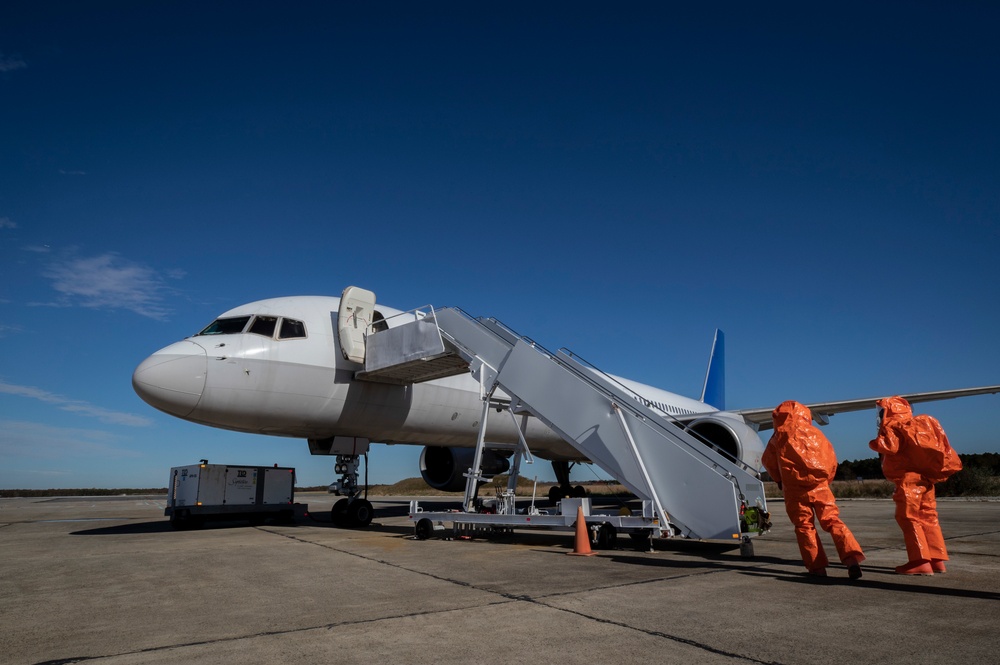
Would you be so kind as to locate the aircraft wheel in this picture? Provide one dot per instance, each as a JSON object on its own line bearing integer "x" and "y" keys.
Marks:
{"x": 360, "y": 513}
{"x": 555, "y": 494}
{"x": 338, "y": 515}
{"x": 579, "y": 492}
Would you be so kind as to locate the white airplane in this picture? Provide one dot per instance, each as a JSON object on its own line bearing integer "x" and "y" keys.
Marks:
{"x": 287, "y": 367}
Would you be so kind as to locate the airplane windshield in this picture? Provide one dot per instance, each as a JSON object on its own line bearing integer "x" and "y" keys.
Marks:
{"x": 291, "y": 329}
{"x": 264, "y": 325}
{"x": 230, "y": 326}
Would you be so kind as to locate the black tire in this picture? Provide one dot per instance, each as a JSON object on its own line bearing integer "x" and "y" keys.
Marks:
{"x": 360, "y": 513}
{"x": 338, "y": 515}
{"x": 181, "y": 520}
{"x": 555, "y": 494}
{"x": 607, "y": 537}
{"x": 424, "y": 529}
{"x": 641, "y": 539}
{"x": 579, "y": 492}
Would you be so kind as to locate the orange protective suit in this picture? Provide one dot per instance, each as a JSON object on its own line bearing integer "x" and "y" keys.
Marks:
{"x": 801, "y": 459}
{"x": 915, "y": 454}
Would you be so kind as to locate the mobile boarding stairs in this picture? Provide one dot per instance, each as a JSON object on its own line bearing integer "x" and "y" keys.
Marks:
{"x": 687, "y": 487}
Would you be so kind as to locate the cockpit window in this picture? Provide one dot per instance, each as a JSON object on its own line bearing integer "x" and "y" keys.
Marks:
{"x": 290, "y": 329}
{"x": 230, "y": 326}
{"x": 263, "y": 325}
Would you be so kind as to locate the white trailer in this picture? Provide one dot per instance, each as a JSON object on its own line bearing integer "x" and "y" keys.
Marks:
{"x": 201, "y": 492}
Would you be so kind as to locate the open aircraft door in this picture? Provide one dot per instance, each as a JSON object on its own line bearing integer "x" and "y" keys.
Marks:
{"x": 357, "y": 308}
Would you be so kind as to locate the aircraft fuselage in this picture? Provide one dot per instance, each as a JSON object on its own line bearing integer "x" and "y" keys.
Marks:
{"x": 275, "y": 367}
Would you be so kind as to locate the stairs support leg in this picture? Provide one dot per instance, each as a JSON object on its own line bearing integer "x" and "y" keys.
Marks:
{"x": 662, "y": 514}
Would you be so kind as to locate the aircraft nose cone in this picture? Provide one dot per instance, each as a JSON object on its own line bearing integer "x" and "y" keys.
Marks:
{"x": 172, "y": 379}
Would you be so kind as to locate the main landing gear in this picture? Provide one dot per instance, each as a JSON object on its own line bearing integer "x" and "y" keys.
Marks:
{"x": 353, "y": 512}
{"x": 559, "y": 492}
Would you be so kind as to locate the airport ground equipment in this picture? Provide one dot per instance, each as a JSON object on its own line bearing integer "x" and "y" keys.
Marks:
{"x": 688, "y": 487}
{"x": 501, "y": 517}
{"x": 201, "y": 492}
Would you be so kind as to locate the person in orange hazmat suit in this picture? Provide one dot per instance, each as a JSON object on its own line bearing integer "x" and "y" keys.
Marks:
{"x": 915, "y": 454}
{"x": 802, "y": 461}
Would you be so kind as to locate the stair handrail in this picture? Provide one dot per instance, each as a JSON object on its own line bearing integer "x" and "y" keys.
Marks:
{"x": 634, "y": 409}
{"x": 674, "y": 420}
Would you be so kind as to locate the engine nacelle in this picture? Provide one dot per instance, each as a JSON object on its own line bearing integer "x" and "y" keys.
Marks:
{"x": 731, "y": 435}
{"x": 442, "y": 468}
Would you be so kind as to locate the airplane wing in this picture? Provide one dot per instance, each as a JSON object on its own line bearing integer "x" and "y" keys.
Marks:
{"x": 822, "y": 411}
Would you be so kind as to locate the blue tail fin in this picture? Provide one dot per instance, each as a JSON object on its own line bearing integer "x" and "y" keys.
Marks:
{"x": 714, "y": 391}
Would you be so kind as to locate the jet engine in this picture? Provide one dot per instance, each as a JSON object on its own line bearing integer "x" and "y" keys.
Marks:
{"x": 442, "y": 468}
{"x": 732, "y": 436}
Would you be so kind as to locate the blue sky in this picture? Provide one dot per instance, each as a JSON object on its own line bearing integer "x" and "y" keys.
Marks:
{"x": 820, "y": 182}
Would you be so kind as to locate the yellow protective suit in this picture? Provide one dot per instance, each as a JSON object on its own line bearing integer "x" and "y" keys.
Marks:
{"x": 801, "y": 459}
{"x": 915, "y": 454}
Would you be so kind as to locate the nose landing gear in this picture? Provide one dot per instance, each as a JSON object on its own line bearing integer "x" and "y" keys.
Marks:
{"x": 353, "y": 512}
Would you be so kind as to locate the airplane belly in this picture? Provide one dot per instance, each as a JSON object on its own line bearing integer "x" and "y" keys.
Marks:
{"x": 449, "y": 416}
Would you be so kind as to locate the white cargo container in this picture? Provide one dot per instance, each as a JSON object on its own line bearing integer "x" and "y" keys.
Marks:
{"x": 200, "y": 492}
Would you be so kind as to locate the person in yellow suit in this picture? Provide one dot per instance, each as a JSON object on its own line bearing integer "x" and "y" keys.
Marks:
{"x": 915, "y": 454}
{"x": 802, "y": 461}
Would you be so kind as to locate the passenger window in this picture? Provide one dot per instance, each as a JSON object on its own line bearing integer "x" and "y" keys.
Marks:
{"x": 264, "y": 326}
{"x": 229, "y": 326}
{"x": 291, "y": 329}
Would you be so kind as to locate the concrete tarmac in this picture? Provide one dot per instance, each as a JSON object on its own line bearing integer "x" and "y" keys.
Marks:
{"x": 109, "y": 581}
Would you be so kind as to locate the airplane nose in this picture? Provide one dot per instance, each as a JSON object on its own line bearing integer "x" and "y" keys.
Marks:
{"x": 173, "y": 378}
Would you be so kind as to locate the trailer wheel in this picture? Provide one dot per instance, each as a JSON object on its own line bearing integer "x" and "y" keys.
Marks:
{"x": 181, "y": 520}
{"x": 642, "y": 540}
{"x": 423, "y": 529}
{"x": 607, "y": 537}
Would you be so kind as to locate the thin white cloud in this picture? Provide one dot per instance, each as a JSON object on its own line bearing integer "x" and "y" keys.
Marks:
{"x": 34, "y": 440}
{"x": 5, "y": 223}
{"x": 108, "y": 282}
{"x": 6, "y": 328}
{"x": 75, "y": 405}
{"x": 9, "y": 63}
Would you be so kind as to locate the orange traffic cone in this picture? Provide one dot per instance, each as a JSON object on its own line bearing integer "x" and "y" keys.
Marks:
{"x": 582, "y": 545}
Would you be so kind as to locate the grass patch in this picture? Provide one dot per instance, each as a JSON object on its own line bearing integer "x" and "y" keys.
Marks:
{"x": 89, "y": 491}
{"x": 970, "y": 481}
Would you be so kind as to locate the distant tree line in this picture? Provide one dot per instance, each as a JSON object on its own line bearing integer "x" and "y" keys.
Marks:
{"x": 88, "y": 491}
{"x": 980, "y": 474}
{"x": 871, "y": 469}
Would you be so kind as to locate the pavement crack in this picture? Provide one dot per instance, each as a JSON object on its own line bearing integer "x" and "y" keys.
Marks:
{"x": 250, "y": 636}
{"x": 657, "y": 633}
{"x": 536, "y": 601}
{"x": 971, "y": 535}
